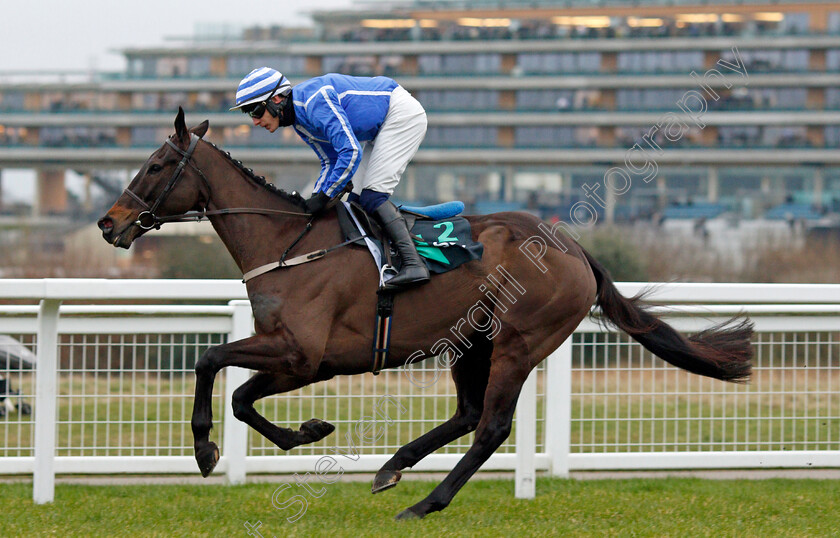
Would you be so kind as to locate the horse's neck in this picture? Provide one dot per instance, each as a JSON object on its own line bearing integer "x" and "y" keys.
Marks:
{"x": 245, "y": 235}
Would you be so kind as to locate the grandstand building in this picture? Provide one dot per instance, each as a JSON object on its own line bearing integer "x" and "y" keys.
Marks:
{"x": 577, "y": 110}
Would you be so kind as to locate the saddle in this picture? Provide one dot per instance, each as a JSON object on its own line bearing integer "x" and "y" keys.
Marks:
{"x": 442, "y": 238}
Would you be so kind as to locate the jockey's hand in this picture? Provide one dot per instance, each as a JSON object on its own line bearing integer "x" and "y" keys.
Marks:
{"x": 316, "y": 203}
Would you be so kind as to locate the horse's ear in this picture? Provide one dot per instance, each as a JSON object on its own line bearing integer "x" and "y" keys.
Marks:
{"x": 181, "y": 131}
{"x": 201, "y": 129}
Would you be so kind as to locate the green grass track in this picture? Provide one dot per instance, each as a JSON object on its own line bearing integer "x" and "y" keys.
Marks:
{"x": 634, "y": 507}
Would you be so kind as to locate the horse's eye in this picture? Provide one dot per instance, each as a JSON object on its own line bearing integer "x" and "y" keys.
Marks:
{"x": 155, "y": 168}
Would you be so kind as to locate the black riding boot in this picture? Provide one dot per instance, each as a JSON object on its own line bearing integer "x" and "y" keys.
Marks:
{"x": 413, "y": 271}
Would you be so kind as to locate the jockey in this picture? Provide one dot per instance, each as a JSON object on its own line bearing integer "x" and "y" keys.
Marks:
{"x": 363, "y": 128}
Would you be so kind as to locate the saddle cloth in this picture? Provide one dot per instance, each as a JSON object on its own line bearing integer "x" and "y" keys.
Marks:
{"x": 443, "y": 244}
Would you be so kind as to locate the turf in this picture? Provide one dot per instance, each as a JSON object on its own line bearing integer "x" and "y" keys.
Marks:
{"x": 637, "y": 507}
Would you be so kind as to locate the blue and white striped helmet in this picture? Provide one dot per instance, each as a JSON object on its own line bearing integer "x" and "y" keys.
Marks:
{"x": 259, "y": 85}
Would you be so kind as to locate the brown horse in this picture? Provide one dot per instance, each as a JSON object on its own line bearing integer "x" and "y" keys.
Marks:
{"x": 316, "y": 321}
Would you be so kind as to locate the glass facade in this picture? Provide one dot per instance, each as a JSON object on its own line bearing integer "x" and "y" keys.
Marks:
{"x": 732, "y": 136}
{"x": 460, "y": 137}
{"x": 649, "y": 99}
{"x": 771, "y": 60}
{"x": 832, "y": 60}
{"x": 832, "y": 98}
{"x": 832, "y": 136}
{"x": 660, "y": 61}
{"x": 434, "y": 100}
{"x": 459, "y": 64}
{"x": 198, "y": 66}
{"x": 834, "y": 22}
{"x": 548, "y": 137}
{"x": 79, "y": 136}
{"x": 12, "y": 100}
{"x": 559, "y": 62}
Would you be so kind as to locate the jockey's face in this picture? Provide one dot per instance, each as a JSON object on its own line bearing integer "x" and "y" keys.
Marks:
{"x": 267, "y": 121}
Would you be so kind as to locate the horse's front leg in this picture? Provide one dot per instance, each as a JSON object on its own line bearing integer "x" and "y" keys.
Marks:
{"x": 265, "y": 384}
{"x": 274, "y": 353}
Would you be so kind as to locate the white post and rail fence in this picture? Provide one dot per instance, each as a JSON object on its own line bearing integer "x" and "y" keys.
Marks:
{"x": 113, "y": 386}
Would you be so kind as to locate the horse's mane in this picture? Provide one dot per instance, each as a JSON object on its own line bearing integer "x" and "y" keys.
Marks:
{"x": 292, "y": 197}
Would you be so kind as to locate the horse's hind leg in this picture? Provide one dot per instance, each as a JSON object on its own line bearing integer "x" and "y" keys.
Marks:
{"x": 509, "y": 369}
{"x": 267, "y": 353}
{"x": 266, "y": 384}
{"x": 470, "y": 376}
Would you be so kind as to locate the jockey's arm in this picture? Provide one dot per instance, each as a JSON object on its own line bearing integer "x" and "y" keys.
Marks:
{"x": 326, "y": 163}
{"x": 327, "y": 113}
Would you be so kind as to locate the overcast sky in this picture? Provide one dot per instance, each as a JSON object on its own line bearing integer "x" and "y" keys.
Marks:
{"x": 84, "y": 34}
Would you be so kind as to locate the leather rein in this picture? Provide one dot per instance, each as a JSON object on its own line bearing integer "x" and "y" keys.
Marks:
{"x": 153, "y": 221}
{"x": 147, "y": 219}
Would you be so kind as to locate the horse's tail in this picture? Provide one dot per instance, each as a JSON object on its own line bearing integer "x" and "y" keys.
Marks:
{"x": 722, "y": 351}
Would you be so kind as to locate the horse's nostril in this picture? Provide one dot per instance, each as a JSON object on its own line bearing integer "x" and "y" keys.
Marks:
{"x": 105, "y": 224}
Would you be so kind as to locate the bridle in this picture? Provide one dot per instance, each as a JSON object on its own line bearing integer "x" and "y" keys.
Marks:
{"x": 152, "y": 220}
{"x": 147, "y": 219}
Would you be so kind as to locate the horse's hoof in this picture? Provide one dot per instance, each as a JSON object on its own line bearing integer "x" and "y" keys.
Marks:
{"x": 316, "y": 429}
{"x": 207, "y": 457}
{"x": 385, "y": 480}
{"x": 408, "y": 514}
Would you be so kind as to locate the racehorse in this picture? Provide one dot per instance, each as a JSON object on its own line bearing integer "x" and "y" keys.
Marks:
{"x": 315, "y": 321}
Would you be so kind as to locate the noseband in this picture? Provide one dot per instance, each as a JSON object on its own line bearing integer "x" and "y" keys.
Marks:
{"x": 147, "y": 219}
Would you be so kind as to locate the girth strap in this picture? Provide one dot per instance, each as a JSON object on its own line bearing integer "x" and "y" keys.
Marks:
{"x": 382, "y": 329}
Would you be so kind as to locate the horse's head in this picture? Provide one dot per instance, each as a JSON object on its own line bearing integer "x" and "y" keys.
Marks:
{"x": 168, "y": 183}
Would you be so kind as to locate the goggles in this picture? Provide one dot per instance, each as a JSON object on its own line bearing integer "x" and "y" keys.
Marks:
{"x": 256, "y": 110}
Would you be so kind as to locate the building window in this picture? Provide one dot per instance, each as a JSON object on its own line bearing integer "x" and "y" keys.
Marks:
{"x": 760, "y": 98}
{"x": 460, "y": 137}
{"x": 77, "y": 136}
{"x": 144, "y": 136}
{"x": 247, "y": 136}
{"x": 659, "y": 61}
{"x": 173, "y": 100}
{"x": 796, "y": 23}
{"x": 784, "y": 137}
{"x": 832, "y": 60}
{"x": 142, "y": 67}
{"x": 771, "y": 60}
{"x": 832, "y": 136}
{"x": 732, "y": 136}
{"x": 363, "y": 65}
{"x": 458, "y": 99}
{"x": 453, "y": 64}
{"x": 206, "y": 101}
{"x": 832, "y": 97}
{"x": 545, "y": 100}
{"x": 175, "y": 66}
{"x": 559, "y": 62}
{"x": 834, "y": 22}
{"x": 145, "y": 101}
{"x": 652, "y": 99}
{"x": 198, "y": 66}
{"x": 239, "y": 66}
{"x": 350, "y": 65}
{"x": 755, "y": 136}
{"x": 11, "y": 100}
{"x": 554, "y": 136}
{"x": 780, "y": 98}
